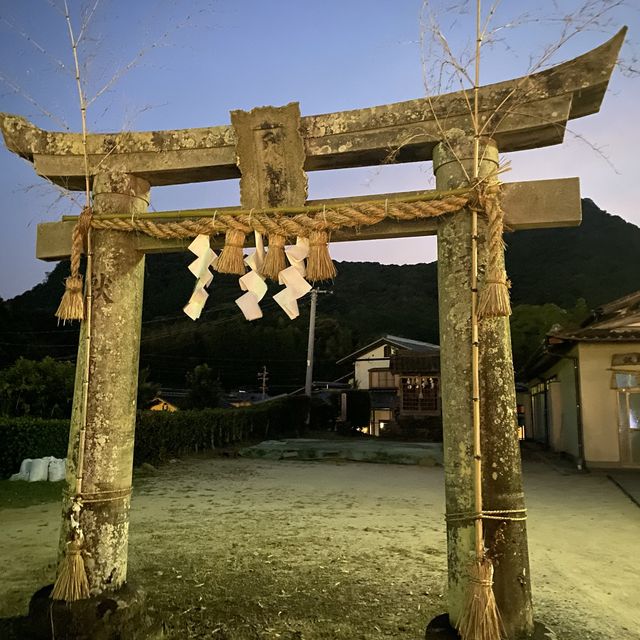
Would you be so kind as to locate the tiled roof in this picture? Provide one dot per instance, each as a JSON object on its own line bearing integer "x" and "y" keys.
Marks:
{"x": 394, "y": 341}
{"x": 596, "y": 335}
{"x": 617, "y": 321}
{"x": 411, "y": 345}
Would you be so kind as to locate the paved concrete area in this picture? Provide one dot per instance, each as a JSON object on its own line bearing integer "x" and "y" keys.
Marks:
{"x": 628, "y": 481}
{"x": 421, "y": 453}
{"x": 365, "y": 450}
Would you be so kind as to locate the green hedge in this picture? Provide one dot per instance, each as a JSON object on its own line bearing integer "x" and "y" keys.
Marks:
{"x": 159, "y": 434}
{"x": 30, "y": 437}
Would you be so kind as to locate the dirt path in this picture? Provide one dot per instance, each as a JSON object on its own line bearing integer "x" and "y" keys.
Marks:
{"x": 249, "y": 550}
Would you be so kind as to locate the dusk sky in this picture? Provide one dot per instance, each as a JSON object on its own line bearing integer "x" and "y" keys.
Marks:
{"x": 195, "y": 61}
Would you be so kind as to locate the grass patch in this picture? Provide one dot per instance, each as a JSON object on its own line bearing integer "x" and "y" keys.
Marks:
{"x": 20, "y": 493}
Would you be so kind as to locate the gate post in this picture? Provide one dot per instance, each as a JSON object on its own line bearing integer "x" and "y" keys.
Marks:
{"x": 502, "y": 476}
{"x": 116, "y": 313}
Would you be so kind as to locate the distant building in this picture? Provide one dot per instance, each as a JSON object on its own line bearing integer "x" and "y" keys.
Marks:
{"x": 403, "y": 380}
{"x": 243, "y": 398}
{"x": 160, "y": 404}
{"x": 585, "y": 388}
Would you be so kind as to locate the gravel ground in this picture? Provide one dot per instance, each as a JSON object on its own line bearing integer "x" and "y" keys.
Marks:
{"x": 236, "y": 549}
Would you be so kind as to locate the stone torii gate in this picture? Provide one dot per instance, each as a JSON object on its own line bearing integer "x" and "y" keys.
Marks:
{"x": 270, "y": 149}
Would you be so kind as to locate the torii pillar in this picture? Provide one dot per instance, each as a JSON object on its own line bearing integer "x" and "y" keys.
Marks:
{"x": 502, "y": 472}
{"x": 116, "y": 315}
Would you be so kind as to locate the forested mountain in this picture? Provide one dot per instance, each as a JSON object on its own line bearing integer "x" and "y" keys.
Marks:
{"x": 557, "y": 274}
{"x": 598, "y": 261}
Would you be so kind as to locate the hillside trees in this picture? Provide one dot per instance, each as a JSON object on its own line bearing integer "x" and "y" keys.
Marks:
{"x": 43, "y": 389}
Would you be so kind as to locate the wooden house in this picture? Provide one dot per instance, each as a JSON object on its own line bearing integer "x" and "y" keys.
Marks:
{"x": 403, "y": 380}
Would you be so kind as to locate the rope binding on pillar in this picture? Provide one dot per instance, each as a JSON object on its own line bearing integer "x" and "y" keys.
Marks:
{"x": 493, "y": 299}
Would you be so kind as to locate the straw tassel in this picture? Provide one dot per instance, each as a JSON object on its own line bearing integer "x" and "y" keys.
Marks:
{"x": 481, "y": 619}
{"x": 493, "y": 300}
{"x": 71, "y": 583}
{"x": 72, "y": 304}
{"x": 319, "y": 263}
{"x": 231, "y": 259}
{"x": 275, "y": 260}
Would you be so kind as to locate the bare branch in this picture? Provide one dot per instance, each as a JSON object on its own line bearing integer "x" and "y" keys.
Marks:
{"x": 571, "y": 27}
{"x": 83, "y": 103}
{"x": 33, "y": 43}
{"x": 138, "y": 58}
{"x": 56, "y": 7}
{"x": 23, "y": 94}
{"x": 87, "y": 19}
{"x": 121, "y": 72}
{"x": 492, "y": 11}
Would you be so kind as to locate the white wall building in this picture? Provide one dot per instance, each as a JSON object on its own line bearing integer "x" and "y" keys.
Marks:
{"x": 585, "y": 388}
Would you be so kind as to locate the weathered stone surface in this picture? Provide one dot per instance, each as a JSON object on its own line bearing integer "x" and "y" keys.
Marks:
{"x": 454, "y": 303}
{"x": 520, "y": 114}
{"x": 270, "y": 156}
{"x": 116, "y": 312}
{"x": 113, "y": 615}
{"x": 502, "y": 482}
{"x": 502, "y": 476}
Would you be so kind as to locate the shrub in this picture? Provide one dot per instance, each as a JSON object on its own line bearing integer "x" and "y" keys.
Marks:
{"x": 41, "y": 388}
{"x": 159, "y": 434}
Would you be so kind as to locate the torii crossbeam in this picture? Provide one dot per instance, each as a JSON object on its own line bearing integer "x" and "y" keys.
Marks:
{"x": 270, "y": 149}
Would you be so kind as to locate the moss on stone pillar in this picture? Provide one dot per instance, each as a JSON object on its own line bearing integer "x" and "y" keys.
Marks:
{"x": 453, "y": 166}
{"x": 116, "y": 312}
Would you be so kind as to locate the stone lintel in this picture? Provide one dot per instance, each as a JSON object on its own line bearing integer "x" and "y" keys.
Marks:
{"x": 536, "y": 204}
{"x": 518, "y": 114}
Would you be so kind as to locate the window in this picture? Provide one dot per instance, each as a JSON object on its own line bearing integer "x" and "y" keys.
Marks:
{"x": 420, "y": 394}
{"x": 625, "y": 380}
{"x": 380, "y": 419}
{"x": 381, "y": 379}
{"x": 634, "y": 410}
{"x": 629, "y": 425}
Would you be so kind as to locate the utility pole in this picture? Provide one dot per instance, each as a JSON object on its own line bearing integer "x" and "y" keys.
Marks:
{"x": 312, "y": 334}
{"x": 263, "y": 376}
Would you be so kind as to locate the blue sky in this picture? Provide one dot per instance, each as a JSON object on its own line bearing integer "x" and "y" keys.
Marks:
{"x": 197, "y": 60}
